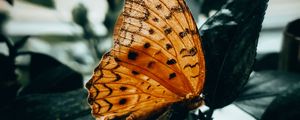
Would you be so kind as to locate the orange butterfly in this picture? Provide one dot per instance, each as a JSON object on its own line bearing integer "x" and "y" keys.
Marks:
{"x": 156, "y": 61}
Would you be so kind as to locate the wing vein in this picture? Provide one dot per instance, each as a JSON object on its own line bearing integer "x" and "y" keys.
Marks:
{"x": 180, "y": 92}
{"x": 146, "y": 54}
{"x": 133, "y": 85}
{"x": 161, "y": 17}
{"x": 142, "y": 35}
{"x": 176, "y": 18}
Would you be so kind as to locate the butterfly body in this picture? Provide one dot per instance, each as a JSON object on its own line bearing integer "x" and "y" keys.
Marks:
{"x": 156, "y": 61}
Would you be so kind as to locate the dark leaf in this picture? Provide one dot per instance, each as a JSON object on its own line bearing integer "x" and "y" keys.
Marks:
{"x": 45, "y": 3}
{"x": 115, "y": 6}
{"x": 79, "y": 14}
{"x": 10, "y": 45}
{"x": 2, "y": 37}
{"x": 229, "y": 42}
{"x": 3, "y": 18}
{"x": 56, "y": 106}
{"x": 262, "y": 89}
{"x": 11, "y": 2}
{"x": 110, "y": 21}
{"x": 286, "y": 106}
{"x": 48, "y": 75}
{"x": 267, "y": 61}
{"x": 8, "y": 80}
{"x": 21, "y": 42}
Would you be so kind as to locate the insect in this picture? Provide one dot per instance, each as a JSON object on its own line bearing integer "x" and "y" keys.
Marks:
{"x": 156, "y": 61}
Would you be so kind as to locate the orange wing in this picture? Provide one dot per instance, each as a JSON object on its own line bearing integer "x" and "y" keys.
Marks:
{"x": 156, "y": 60}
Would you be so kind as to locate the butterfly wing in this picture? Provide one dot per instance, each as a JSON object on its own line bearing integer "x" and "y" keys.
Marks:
{"x": 115, "y": 90}
{"x": 156, "y": 60}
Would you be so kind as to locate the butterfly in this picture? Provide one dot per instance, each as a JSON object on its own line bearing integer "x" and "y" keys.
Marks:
{"x": 156, "y": 61}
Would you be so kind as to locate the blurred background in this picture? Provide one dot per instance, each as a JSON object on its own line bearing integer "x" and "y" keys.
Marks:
{"x": 60, "y": 42}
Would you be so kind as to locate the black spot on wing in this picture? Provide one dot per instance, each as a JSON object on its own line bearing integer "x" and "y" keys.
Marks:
{"x": 158, "y": 7}
{"x": 148, "y": 87}
{"x": 168, "y": 31}
{"x": 171, "y": 61}
{"x": 182, "y": 34}
{"x": 169, "y": 46}
{"x": 135, "y": 72}
{"x": 132, "y": 55}
{"x": 150, "y": 64}
{"x": 123, "y": 88}
{"x": 117, "y": 59}
{"x": 172, "y": 75}
{"x": 147, "y": 45}
{"x": 155, "y": 19}
{"x": 187, "y": 30}
{"x": 169, "y": 16}
{"x": 193, "y": 51}
{"x": 177, "y": 9}
{"x": 151, "y": 31}
{"x": 122, "y": 101}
